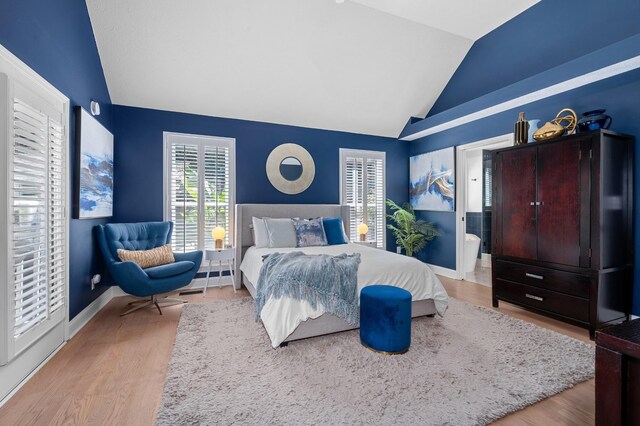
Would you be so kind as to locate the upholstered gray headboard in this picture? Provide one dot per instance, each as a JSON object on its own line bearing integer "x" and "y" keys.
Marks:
{"x": 245, "y": 212}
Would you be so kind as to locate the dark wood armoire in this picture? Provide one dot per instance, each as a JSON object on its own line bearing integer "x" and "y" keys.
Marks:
{"x": 562, "y": 227}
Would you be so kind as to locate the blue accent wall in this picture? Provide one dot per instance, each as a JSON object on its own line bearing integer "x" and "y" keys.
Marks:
{"x": 488, "y": 67}
{"x": 55, "y": 38}
{"x": 544, "y": 36}
{"x": 138, "y": 192}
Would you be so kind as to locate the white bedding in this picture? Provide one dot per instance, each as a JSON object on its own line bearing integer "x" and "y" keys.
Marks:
{"x": 282, "y": 316}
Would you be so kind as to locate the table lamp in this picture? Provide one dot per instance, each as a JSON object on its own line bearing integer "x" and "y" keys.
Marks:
{"x": 362, "y": 230}
{"x": 218, "y": 234}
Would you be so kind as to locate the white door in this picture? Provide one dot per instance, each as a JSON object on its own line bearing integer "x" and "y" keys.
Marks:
{"x": 461, "y": 191}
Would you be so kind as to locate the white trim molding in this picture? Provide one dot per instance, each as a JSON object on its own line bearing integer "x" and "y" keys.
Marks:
{"x": 343, "y": 154}
{"x": 445, "y": 272}
{"x": 537, "y": 95}
{"x": 33, "y": 373}
{"x": 21, "y": 355}
{"x": 496, "y": 142}
{"x": 87, "y": 314}
{"x": 201, "y": 142}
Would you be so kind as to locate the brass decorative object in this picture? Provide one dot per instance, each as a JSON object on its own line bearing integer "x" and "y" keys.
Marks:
{"x": 521, "y": 130}
{"x": 557, "y": 126}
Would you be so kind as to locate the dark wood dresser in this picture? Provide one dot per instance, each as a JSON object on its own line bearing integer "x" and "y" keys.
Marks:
{"x": 618, "y": 375}
{"x": 562, "y": 227}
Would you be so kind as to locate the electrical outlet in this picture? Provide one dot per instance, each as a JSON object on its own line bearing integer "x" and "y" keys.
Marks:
{"x": 95, "y": 280}
{"x": 399, "y": 250}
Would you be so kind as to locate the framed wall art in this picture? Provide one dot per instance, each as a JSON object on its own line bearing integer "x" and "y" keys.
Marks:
{"x": 94, "y": 168}
{"x": 432, "y": 180}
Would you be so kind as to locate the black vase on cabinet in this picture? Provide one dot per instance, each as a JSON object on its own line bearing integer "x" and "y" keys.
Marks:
{"x": 562, "y": 227}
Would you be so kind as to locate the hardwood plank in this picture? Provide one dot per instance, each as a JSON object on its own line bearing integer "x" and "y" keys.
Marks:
{"x": 113, "y": 370}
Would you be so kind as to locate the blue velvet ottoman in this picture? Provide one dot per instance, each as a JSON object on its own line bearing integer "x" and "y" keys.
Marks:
{"x": 385, "y": 319}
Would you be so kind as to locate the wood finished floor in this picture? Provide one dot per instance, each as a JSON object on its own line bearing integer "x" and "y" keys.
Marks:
{"x": 112, "y": 372}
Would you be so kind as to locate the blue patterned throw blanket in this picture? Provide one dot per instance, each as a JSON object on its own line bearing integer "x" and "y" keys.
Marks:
{"x": 329, "y": 280}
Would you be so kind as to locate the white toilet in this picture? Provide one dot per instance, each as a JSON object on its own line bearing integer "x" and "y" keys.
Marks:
{"x": 471, "y": 247}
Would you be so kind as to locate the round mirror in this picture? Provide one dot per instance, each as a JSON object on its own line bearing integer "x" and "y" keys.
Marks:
{"x": 291, "y": 168}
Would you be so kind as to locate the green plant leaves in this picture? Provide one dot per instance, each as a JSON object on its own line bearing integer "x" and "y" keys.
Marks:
{"x": 411, "y": 233}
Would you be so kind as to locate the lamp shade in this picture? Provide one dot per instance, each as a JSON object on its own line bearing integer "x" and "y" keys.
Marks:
{"x": 363, "y": 229}
{"x": 218, "y": 233}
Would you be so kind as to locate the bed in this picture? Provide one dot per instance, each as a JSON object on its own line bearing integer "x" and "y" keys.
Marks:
{"x": 286, "y": 319}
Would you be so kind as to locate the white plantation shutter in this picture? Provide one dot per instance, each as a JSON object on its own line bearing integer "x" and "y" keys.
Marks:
{"x": 199, "y": 174}
{"x": 56, "y": 216}
{"x": 363, "y": 190}
{"x": 353, "y": 194}
{"x": 375, "y": 200}
{"x": 37, "y": 199}
{"x": 216, "y": 192}
{"x": 34, "y": 183}
{"x": 29, "y": 209}
{"x": 184, "y": 197}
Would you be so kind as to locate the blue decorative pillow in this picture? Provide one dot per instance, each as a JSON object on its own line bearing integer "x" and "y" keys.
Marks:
{"x": 309, "y": 232}
{"x": 333, "y": 229}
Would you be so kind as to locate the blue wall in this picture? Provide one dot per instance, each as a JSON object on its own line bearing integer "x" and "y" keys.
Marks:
{"x": 544, "y": 36}
{"x": 138, "y": 160}
{"x": 476, "y": 76}
{"x": 55, "y": 39}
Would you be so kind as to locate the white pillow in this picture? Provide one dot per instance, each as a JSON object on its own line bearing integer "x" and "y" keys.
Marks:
{"x": 281, "y": 232}
{"x": 344, "y": 233}
{"x": 260, "y": 234}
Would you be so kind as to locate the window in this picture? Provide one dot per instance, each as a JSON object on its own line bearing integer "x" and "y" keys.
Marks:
{"x": 37, "y": 208}
{"x": 199, "y": 189}
{"x": 487, "y": 178}
{"x": 362, "y": 188}
{"x": 33, "y": 150}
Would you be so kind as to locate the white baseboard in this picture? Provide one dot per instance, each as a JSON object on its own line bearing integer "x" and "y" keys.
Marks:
{"x": 83, "y": 318}
{"x": 196, "y": 284}
{"x": 117, "y": 291}
{"x": 33, "y": 373}
{"x": 445, "y": 272}
{"x": 213, "y": 282}
{"x": 90, "y": 311}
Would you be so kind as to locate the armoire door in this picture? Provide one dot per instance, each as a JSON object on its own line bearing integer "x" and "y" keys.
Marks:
{"x": 517, "y": 204}
{"x": 559, "y": 202}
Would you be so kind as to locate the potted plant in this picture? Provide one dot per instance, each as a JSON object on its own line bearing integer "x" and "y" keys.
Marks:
{"x": 411, "y": 234}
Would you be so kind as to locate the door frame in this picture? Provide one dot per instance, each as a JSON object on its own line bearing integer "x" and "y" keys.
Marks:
{"x": 496, "y": 142}
{"x": 21, "y": 364}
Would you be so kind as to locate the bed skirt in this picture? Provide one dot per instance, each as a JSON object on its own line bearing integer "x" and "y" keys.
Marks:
{"x": 328, "y": 323}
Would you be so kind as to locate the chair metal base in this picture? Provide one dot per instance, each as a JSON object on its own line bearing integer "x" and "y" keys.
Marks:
{"x": 156, "y": 299}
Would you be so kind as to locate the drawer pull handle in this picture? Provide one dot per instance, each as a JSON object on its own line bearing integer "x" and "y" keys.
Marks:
{"x": 537, "y": 277}
{"x": 531, "y": 296}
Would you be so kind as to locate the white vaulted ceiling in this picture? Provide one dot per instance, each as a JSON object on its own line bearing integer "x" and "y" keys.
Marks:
{"x": 363, "y": 66}
{"x": 467, "y": 18}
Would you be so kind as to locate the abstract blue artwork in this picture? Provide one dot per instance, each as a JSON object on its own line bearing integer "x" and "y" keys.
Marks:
{"x": 432, "y": 180}
{"x": 95, "y": 189}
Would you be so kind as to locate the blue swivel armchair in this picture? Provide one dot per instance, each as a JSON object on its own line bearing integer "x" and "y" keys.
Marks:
{"x": 152, "y": 284}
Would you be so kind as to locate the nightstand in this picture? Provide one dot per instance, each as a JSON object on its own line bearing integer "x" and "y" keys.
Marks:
{"x": 372, "y": 244}
{"x": 224, "y": 256}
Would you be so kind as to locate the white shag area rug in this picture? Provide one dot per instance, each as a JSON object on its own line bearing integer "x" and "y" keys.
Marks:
{"x": 471, "y": 367}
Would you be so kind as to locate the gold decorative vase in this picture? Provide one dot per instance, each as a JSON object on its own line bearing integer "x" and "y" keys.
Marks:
{"x": 558, "y": 126}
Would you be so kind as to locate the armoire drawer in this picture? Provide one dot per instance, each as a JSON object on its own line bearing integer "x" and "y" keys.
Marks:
{"x": 540, "y": 298}
{"x": 537, "y": 276}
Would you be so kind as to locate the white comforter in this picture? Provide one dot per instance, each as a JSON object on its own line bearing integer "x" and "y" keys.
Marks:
{"x": 282, "y": 316}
